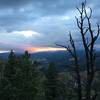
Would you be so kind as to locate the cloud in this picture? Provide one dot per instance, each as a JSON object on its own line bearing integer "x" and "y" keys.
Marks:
{"x": 22, "y": 14}
{"x": 27, "y": 34}
{"x": 26, "y": 23}
{"x": 18, "y": 40}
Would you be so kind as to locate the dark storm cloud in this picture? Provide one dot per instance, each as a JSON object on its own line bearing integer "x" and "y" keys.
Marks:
{"x": 51, "y": 18}
{"x": 14, "y": 14}
{"x": 13, "y": 3}
{"x": 46, "y": 6}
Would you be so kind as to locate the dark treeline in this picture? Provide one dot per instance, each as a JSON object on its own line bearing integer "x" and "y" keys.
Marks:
{"x": 22, "y": 79}
{"x": 19, "y": 78}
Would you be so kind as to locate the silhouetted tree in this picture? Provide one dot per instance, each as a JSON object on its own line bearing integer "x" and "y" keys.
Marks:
{"x": 28, "y": 78}
{"x": 89, "y": 37}
{"x": 51, "y": 83}
{"x": 20, "y": 78}
{"x": 10, "y": 67}
{"x": 8, "y": 90}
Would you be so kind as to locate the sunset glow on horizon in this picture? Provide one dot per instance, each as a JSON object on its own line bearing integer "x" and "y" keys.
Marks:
{"x": 43, "y": 49}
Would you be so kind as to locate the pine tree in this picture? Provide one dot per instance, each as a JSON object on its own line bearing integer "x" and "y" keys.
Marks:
{"x": 9, "y": 76}
{"x": 28, "y": 76}
{"x": 21, "y": 78}
{"x": 51, "y": 83}
{"x": 10, "y": 67}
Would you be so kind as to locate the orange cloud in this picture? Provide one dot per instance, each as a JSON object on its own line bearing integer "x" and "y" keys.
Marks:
{"x": 42, "y": 49}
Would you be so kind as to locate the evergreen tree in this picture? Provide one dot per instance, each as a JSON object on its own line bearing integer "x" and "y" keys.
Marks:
{"x": 28, "y": 78}
{"x": 51, "y": 83}
{"x": 20, "y": 79}
{"x": 10, "y": 69}
{"x": 7, "y": 84}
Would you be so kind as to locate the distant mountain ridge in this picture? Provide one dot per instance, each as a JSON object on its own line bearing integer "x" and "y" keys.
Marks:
{"x": 62, "y": 59}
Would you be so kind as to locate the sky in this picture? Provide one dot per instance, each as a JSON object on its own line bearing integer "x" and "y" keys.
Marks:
{"x": 36, "y": 25}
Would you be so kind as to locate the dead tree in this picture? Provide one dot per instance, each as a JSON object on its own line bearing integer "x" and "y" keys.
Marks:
{"x": 72, "y": 50}
{"x": 89, "y": 37}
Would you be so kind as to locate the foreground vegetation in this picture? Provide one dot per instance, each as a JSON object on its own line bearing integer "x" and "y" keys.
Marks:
{"x": 22, "y": 79}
